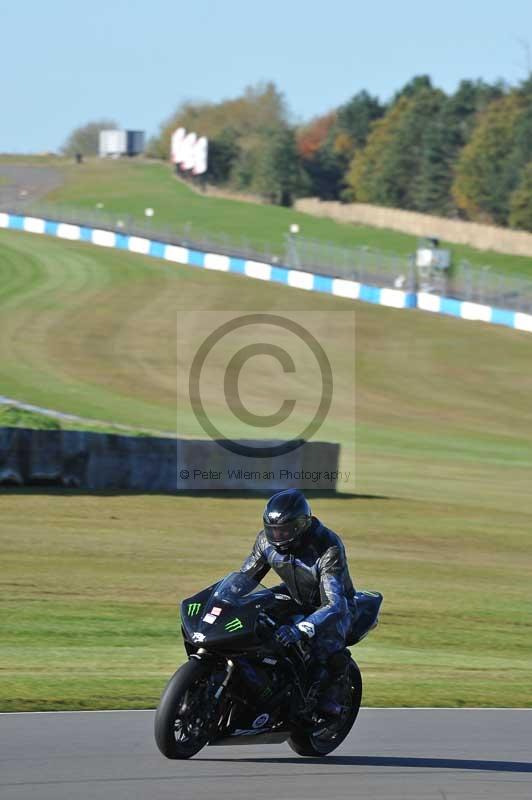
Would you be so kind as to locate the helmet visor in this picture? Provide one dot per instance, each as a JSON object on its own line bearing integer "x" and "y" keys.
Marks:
{"x": 281, "y": 534}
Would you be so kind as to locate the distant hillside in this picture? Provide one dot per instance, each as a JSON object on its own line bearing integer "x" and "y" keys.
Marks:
{"x": 126, "y": 188}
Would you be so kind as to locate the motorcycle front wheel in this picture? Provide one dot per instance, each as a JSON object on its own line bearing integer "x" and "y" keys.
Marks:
{"x": 180, "y": 720}
{"x": 330, "y": 734}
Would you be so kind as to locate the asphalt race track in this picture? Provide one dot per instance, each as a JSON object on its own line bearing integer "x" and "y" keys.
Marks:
{"x": 392, "y": 754}
{"x": 24, "y": 183}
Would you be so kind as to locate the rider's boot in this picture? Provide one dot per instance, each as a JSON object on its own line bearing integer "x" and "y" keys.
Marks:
{"x": 332, "y": 696}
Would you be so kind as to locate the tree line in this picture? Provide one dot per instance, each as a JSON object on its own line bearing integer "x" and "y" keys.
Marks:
{"x": 466, "y": 155}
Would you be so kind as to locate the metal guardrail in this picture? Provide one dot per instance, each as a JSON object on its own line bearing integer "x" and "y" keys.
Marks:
{"x": 488, "y": 287}
{"x": 363, "y": 264}
{"x": 359, "y": 264}
{"x": 463, "y": 282}
{"x": 184, "y": 235}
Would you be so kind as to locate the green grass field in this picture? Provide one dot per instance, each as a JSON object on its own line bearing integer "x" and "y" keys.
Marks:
{"x": 12, "y": 416}
{"x": 128, "y": 187}
{"x": 89, "y": 588}
{"x": 443, "y": 444}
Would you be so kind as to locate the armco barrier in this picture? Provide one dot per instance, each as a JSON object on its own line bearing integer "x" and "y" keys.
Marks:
{"x": 106, "y": 462}
{"x": 340, "y": 287}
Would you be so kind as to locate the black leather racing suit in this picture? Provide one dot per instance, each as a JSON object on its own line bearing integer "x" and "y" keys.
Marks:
{"x": 316, "y": 576}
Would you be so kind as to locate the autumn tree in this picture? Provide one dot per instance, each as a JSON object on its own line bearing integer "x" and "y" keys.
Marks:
{"x": 322, "y": 164}
{"x": 328, "y": 143}
{"x": 487, "y": 171}
{"x": 234, "y": 128}
{"x": 312, "y": 136}
{"x": 521, "y": 202}
{"x": 411, "y": 154}
{"x": 364, "y": 177}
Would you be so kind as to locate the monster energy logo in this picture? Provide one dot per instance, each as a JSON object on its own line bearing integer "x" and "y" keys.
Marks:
{"x": 193, "y": 609}
{"x": 233, "y": 625}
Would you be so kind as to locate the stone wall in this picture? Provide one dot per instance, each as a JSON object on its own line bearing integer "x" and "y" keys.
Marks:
{"x": 106, "y": 462}
{"x": 483, "y": 237}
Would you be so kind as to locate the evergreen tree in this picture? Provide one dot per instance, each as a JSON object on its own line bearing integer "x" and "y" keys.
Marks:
{"x": 325, "y": 172}
{"x": 279, "y": 176}
{"x": 446, "y": 135}
{"x": 223, "y": 155}
{"x": 419, "y": 83}
{"x": 356, "y": 117}
{"x": 387, "y": 171}
{"x": 435, "y": 177}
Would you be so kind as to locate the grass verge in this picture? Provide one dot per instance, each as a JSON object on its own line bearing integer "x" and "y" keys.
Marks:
{"x": 14, "y": 417}
{"x": 89, "y": 588}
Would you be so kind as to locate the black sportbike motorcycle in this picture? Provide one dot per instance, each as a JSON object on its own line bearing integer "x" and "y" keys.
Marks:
{"x": 240, "y": 686}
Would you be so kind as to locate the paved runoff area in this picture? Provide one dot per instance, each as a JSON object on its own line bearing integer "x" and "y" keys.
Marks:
{"x": 392, "y": 754}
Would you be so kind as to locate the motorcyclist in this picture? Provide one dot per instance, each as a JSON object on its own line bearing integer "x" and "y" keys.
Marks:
{"x": 310, "y": 559}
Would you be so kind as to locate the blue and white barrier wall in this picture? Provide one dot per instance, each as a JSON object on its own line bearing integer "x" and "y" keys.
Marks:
{"x": 394, "y": 298}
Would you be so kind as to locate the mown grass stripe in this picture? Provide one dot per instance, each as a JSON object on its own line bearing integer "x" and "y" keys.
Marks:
{"x": 291, "y": 277}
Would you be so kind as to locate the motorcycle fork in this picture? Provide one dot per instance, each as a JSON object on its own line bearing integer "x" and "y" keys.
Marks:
{"x": 222, "y": 687}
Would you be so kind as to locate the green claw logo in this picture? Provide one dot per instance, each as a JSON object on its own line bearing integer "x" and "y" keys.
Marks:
{"x": 233, "y": 625}
{"x": 193, "y": 609}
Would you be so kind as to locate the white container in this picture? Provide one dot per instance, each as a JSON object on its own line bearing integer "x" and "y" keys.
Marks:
{"x": 115, "y": 143}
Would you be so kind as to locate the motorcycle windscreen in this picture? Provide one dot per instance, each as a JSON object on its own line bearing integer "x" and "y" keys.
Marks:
{"x": 235, "y": 587}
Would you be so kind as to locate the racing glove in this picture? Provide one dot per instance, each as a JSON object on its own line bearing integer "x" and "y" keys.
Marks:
{"x": 288, "y": 634}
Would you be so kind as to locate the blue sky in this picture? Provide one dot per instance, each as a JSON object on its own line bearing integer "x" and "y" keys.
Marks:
{"x": 65, "y": 63}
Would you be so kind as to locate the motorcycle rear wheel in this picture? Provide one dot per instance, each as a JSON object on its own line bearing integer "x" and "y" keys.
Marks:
{"x": 180, "y": 728}
{"x": 325, "y": 740}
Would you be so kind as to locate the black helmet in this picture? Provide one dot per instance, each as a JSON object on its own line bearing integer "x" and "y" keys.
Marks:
{"x": 287, "y": 515}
